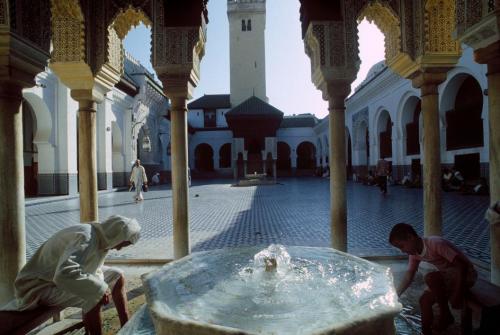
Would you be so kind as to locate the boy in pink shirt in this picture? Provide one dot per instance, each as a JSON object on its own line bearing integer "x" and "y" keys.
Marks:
{"x": 454, "y": 276}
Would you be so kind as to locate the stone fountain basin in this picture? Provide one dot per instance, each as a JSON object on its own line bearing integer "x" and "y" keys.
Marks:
{"x": 185, "y": 296}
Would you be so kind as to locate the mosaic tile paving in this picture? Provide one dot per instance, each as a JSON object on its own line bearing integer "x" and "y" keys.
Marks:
{"x": 293, "y": 212}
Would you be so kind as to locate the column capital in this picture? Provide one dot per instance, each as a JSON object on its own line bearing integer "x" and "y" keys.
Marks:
{"x": 337, "y": 91}
{"x": 428, "y": 80}
{"x": 91, "y": 96}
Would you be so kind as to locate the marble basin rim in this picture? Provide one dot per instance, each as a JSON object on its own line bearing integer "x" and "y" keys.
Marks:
{"x": 373, "y": 322}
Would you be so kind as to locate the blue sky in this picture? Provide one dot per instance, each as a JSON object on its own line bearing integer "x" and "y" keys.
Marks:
{"x": 288, "y": 69}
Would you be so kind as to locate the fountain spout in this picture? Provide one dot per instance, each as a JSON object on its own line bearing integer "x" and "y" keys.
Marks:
{"x": 270, "y": 264}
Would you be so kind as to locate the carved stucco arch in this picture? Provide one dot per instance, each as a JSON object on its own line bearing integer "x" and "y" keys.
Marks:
{"x": 128, "y": 18}
{"x": 388, "y": 22}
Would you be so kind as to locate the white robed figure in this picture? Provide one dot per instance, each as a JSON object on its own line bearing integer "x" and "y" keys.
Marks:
{"x": 67, "y": 271}
{"x": 138, "y": 178}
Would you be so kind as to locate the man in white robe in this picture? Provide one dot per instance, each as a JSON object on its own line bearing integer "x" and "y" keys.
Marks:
{"x": 67, "y": 271}
{"x": 138, "y": 178}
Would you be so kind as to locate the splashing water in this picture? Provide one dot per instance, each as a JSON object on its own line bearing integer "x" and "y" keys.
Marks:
{"x": 297, "y": 290}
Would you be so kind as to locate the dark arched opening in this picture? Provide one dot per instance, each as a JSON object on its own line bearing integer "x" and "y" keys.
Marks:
{"x": 29, "y": 151}
{"x": 465, "y": 118}
{"x": 225, "y": 156}
{"x": 412, "y": 132}
{"x": 284, "y": 163}
{"x": 204, "y": 158}
{"x": 306, "y": 156}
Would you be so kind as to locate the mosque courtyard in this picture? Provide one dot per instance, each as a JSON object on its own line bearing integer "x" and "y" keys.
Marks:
{"x": 293, "y": 212}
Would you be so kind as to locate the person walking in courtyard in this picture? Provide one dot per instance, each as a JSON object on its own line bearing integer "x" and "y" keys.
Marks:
{"x": 382, "y": 172}
{"x": 67, "y": 271}
{"x": 138, "y": 178}
{"x": 454, "y": 276}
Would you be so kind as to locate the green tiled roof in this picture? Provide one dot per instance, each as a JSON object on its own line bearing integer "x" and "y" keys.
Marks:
{"x": 211, "y": 101}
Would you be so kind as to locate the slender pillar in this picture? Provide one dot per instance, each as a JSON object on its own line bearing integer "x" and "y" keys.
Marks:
{"x": 490, "y": 55}
{"x": 180, "y": 177}
{"x": 494, "y": 115}
{"x": 12, "y": 228}
{"x": 428, "y": 84}
{"x": 87, "y": 156}
{"x": 264, "y": 162}
{"x": 244, "y": 168}
{"x": 338, "y": 205}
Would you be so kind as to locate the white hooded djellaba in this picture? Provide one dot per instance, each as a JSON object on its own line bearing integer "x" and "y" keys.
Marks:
{"x": 67, "y": 269}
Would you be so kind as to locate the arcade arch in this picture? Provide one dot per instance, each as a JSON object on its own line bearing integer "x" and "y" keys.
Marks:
{"x": 384, "y": 134}
{"x": 284, "y": 162}
{"x": 204, "y": 158}
{"x": 306, "y": 156}
{"x": 225, "y": 156}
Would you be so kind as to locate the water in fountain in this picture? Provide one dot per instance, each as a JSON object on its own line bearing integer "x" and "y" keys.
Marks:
{"x": 315, "y": 290}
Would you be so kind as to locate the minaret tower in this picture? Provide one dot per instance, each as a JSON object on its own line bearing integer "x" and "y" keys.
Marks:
{"x": 247, "y": 23}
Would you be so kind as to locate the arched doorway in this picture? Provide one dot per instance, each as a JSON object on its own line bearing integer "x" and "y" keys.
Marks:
{"x": 411, "y": 126}
{"x": 306, "y": 156}
{"x": 254, "y": 163}
{"x": 284, "y": 163}
{"x": 225, "y": 156}
{"x": 204, "y": 158}
{"x": 30, "y": 154}
{"x": 465, "y": 116}
{"x": 384, "y": 131}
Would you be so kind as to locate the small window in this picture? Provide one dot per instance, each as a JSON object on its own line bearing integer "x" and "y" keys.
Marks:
{"x": 249, "y": 25}
{"x": 243, "y": 26}
{"x": 210, "y": 119}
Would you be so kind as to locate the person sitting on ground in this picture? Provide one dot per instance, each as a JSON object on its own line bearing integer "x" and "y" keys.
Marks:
{"x": 370, "y": 179}
{"x": 67, "y": 271}
{"x": 156, "y": 178}
{"x": 406, "y": 181}
{"x": 446, "y": 179}
{"x": 454, "y": 276}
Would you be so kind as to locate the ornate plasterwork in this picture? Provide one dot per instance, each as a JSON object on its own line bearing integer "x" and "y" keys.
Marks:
{"x": 127, "y": 19}
{"x": 388, "y": 22}
{"x": 4, "y": 13}
{"x": 331, "y": 61}
{"x": 68, "y": 31}
{"x": 439, "y": 24}
{"x": 177, "y": 52}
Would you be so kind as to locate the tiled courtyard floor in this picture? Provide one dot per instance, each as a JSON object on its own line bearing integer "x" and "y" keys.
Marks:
{"x": 293, "y": 212}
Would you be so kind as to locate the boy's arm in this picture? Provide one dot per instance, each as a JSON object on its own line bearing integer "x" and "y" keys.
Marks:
{"x": 405, "y": 283}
